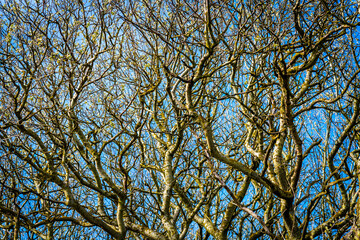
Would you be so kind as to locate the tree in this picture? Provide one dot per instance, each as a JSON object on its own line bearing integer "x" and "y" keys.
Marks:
{"x": 180, "y": 119}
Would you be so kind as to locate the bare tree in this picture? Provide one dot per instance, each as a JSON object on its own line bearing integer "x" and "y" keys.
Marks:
{"x": 179, "y": 119}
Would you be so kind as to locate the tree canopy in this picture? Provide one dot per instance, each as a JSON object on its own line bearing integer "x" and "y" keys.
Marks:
{"x": 199, "y": 119}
